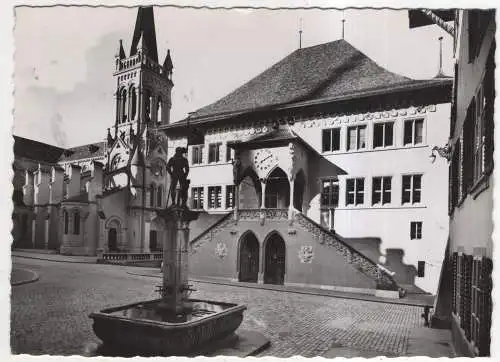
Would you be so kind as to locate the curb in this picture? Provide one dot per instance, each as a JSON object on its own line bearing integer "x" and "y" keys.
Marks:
{"x": 307, "y": 292}
{"x": 54, "y": 260}
{"x": 35, "y": 277}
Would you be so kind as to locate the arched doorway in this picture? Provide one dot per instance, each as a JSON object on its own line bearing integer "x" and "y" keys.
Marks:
{"x": 112, "y": 240}
{"x": 249, "y": 258}
{"x": 298, "y": 190}
{"x": 275, "y": 254}
{"x": 277, "y": 189}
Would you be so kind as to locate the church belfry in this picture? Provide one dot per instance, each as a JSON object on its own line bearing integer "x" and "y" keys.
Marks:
{"x": 144, "y": 86}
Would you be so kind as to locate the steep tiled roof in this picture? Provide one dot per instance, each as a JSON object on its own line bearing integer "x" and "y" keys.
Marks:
{"x": 85, "y": 151}
{"x": 38, "y": 151}
{"x": 322, "y": 72}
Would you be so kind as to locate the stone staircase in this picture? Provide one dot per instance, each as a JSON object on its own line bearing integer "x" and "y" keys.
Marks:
{"x": 321, "y": 235}
{"x": 351, "y": 255}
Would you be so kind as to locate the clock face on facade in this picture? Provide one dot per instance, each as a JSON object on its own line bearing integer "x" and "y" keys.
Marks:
{"x": 264, "y": 160}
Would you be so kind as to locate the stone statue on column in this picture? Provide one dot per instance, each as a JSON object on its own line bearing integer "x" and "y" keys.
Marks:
{"x": 236, "y": 168}
{"x": 178, "y": 169}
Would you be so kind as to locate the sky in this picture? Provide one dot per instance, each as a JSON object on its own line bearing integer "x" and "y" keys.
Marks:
{"x": 64, "y": 57}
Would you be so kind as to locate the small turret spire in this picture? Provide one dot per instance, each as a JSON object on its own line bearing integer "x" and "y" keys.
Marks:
{"x": 167, "y": 64}
{"x": 343, "y": 25}
{"x": 120, "y": 53}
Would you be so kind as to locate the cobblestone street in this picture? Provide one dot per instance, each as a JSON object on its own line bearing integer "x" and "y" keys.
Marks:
{"x": 50, "y": 316}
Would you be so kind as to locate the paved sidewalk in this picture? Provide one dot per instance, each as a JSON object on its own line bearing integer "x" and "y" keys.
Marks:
{"x": 420, "y": 300}
{"x": 41, "y": 255}
{"x": 415, "y": 300}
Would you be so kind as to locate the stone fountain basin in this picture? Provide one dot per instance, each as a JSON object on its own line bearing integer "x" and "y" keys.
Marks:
{"x": 149, "y": 328}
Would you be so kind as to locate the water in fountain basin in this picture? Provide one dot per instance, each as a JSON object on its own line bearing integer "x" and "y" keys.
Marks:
{"x": 154, "y": 311}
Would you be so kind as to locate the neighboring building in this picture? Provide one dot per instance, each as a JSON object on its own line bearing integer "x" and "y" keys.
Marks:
{"x": 464, "y": 295}
{"x": 322, "y": 153}
{"x": 102, "y": 197}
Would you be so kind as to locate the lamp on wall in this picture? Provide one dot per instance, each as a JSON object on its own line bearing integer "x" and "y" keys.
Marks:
{"x": 444, "y": 151}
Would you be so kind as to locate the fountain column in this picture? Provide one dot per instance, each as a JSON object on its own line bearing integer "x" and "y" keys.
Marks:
{"x": 175, "y": 256}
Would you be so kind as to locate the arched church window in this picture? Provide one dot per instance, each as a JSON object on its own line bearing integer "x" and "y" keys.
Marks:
{"x": 152, "y": 195}
{"x": 66, "y": 221}
{"x": 133, "y": 103}
{"x": 147, "y": 104}
{"x": 159, "y": 117}
{"x": 159, "y": 196}
{"x": 124, "y": 107}
{"x": 76, "y": 223}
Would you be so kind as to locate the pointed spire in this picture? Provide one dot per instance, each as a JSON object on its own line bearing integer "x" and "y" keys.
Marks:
{"x": 145, "y": 31}
{"x": 120, "y": 53}
{"x": 110, "y": 138}
{"x": 167, "y": 64}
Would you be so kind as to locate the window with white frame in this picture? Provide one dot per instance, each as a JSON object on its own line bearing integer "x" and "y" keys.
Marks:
{"x": 383, "y": 134}
{"x": 416, "y": 230}
{"x": 331, "y": 139}
{"x": 479, "y": 133}
{"x": 214, "y": 152}
{"x": 197, "y": 154}
{"x": 356, "y": 138}
{"x": 329, "y": 193}
{"x": 229, "y": 153}
{"x": 381, "y": 190}
{"x": 197, "y": 197}
{"x": 355, "y": 191}
{"x": 412, "y": 189}
{"x": 229, "y": 196}
{"x": 214, "y": 197}
{"x": 413, "y": 131}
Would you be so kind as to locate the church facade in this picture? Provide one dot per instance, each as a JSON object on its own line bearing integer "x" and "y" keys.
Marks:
{"x": 102, "y": 197}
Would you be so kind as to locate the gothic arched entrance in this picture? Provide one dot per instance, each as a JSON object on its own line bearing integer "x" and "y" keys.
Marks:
{"x": 112, "y": 240}
{"x": 275, "y": 258}
{"x": 153, "y": 240}
{"x": 249, "y": 258}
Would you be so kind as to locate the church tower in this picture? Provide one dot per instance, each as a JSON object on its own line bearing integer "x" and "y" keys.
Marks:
{"x": 143, "y": 85}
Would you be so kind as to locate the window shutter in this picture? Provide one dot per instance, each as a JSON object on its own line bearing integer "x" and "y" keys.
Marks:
{"x": 454, "y": 274}
{"x": 489, "y": 92}
{"x": 468, "y": 149}
{"x": 467, "y": 275}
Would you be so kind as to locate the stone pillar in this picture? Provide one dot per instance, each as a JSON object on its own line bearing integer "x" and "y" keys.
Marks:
{"x": 236, "y": 197}
{"x": 46, "y": 231}
{"x": 175, "y": 256}
{"x": 147, "y": 228}
{"x": 290, "y": 207}
{"x": 33, "y": 231}
{"x": 262, "y": 265}
{"x": 263, "y": 195}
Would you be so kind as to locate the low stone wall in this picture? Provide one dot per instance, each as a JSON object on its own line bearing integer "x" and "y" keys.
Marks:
{"x": 137, "y": 259}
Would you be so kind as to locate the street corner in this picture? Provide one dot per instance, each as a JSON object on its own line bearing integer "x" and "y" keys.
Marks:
{"x": 21, "y": 276}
